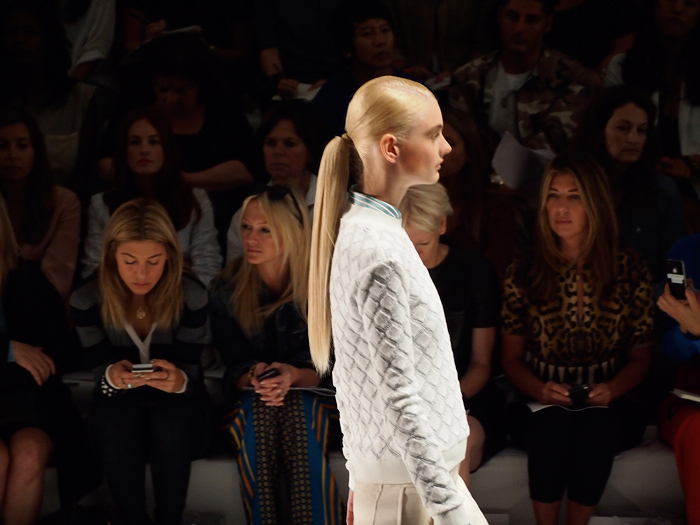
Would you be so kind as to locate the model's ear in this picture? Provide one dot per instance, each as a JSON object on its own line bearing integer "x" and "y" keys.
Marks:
{"x": 443, "y": 225}
{"x": 388, "y": 146}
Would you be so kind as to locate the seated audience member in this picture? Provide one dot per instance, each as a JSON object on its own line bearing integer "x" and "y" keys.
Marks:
{"x": 435, "y": 38}
{"x": 89, "y": 26}
{"x": 179, "y": 76}
{"x": 258, "y": 317}
{"x": 469, "y": 290}
{"x": 45, "y": 217}
{"x": 665, "y": 61}
{"x": 292, "y": 144}
{"x": 35, "y": 59}
{"x": 575, "y": 21}
{"x": 577, "y": 311}
{"x": 488, "y": 217}
{"x": 37, "y": 417}
{"x": 528, "y": 90}
{"x": 365, "y": 36}
{"x": 618, "y": 129}
{"x": 295, "y": 47}
{"x": 679, "y": 420}
{"x": 142, "y": 310}
{"x": 146, "y": 165}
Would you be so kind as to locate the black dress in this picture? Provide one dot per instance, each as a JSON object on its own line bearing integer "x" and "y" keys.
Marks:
{"x": 34, "y": 314}
{"x": 470, "y": 294}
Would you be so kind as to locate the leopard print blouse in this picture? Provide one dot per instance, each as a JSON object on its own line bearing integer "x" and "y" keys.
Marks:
{"x": 562, "y": 349}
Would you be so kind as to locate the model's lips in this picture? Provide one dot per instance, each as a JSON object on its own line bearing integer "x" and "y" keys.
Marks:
{"x": 145, "y": 162}
{"x": 382, "y": 55}
{"x": 141, "y": 285}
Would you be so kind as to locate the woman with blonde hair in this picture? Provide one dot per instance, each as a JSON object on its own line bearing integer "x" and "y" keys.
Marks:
{"x": 469, "y": 290}
{"x": 258, "y": 314}
{"x": 143, "y": 324}
{"x": 577, "y": 331}
{"x": 401, "y": 411}
{"x": 37, "y": 418}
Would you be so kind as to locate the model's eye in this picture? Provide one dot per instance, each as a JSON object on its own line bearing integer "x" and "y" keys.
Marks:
{"x": 265, "y": 230}
{"x": 130, "y": 263}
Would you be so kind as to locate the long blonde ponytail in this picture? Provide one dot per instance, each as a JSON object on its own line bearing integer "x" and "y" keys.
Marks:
{"x": 330, "y": 204}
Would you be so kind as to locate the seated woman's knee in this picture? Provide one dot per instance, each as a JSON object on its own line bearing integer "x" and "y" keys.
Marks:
{"x": 30, "y": 449}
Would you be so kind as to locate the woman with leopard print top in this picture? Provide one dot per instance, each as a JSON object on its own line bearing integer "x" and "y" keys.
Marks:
{"x": 577, "y": 331}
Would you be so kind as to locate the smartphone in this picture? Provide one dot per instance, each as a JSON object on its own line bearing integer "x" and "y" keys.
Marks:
{"x": 579, "y": 393}
{"x": 675, "y": 276}
{"x": 142, "y": 369}
{"x": 267, "y": 374}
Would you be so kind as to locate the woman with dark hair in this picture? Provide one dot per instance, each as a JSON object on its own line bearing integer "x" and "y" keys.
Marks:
{"x": 292, "y": 144}
{"x": 45, "y": 217}
{"x": 147, "y": 165}
{"x": 179, "y": 76}
{"x": 364, "y": 32}
{"x": 258, "y": 316}
{"x": 618, "y": 129}
{"x": 35, "y": 59}
{"x": 143, "y": 324}
{"x": 664, "y": 61}
{"x": 486, "y": 215}
{"x": 577, "y": 333}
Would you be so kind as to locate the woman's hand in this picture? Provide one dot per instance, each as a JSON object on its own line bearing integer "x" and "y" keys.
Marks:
{"x": 555, "y": 394}
{"x": 121, "y": 376}
{"x": 273, "y": 390}
{"x": 599, "y": 395}
{"x": 34, "y": 360}
{"x": 166, "y": 376}
{"x": 287, "y": 88}
{"x": 686, "y": 313}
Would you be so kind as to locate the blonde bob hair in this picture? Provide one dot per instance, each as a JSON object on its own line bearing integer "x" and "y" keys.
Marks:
{"x": 600, "y": 246}
{"x": 382, "y": 105}
{"x": 9, "y": 249}
{"x": 141, "y": 220}
{"x": 288, "y": 220}
{"x": 425, "y": 206}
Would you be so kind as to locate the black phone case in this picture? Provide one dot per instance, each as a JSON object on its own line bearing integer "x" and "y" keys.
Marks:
{"x": 267, "y": 374}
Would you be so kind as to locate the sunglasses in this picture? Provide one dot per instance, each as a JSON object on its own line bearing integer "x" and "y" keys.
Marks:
{"x": 277, "y": 192}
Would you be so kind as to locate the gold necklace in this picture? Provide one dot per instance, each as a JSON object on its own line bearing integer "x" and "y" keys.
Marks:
{"x": 140, "y": 313}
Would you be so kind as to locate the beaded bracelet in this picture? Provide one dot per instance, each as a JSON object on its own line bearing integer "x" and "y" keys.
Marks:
{"x": 108, "y": 389}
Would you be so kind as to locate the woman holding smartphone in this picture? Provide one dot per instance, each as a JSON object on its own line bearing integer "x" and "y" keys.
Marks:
{"x": 142, "y": 310}
{"x": 401, "y": 412}
{"x": 577, "y": 333}
{"x": 258, "y": 315}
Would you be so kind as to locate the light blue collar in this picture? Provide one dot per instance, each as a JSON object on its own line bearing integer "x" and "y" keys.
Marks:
{"x": 367, "y": 201}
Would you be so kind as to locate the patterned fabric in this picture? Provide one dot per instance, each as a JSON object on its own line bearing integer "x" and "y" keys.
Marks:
{"x": 547, "y": 104}
{"x": 293, "y": 437}
{"x": 397, "y": 389}
{"x": 562, "y": 349}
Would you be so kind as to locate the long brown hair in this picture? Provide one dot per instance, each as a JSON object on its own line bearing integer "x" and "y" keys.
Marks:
{"x": 141, "y": 220}
{"x": 600, "y": 247}
{"x": 9, "y": 251}
{"x": 170, "y": 189}
{"x": 382, "y": 105}
{"x": 39, "y": 200}
{"x": 290, "y": 226}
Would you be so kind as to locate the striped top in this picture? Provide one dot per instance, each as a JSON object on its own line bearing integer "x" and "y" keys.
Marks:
{"x": 181, "y": 344}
